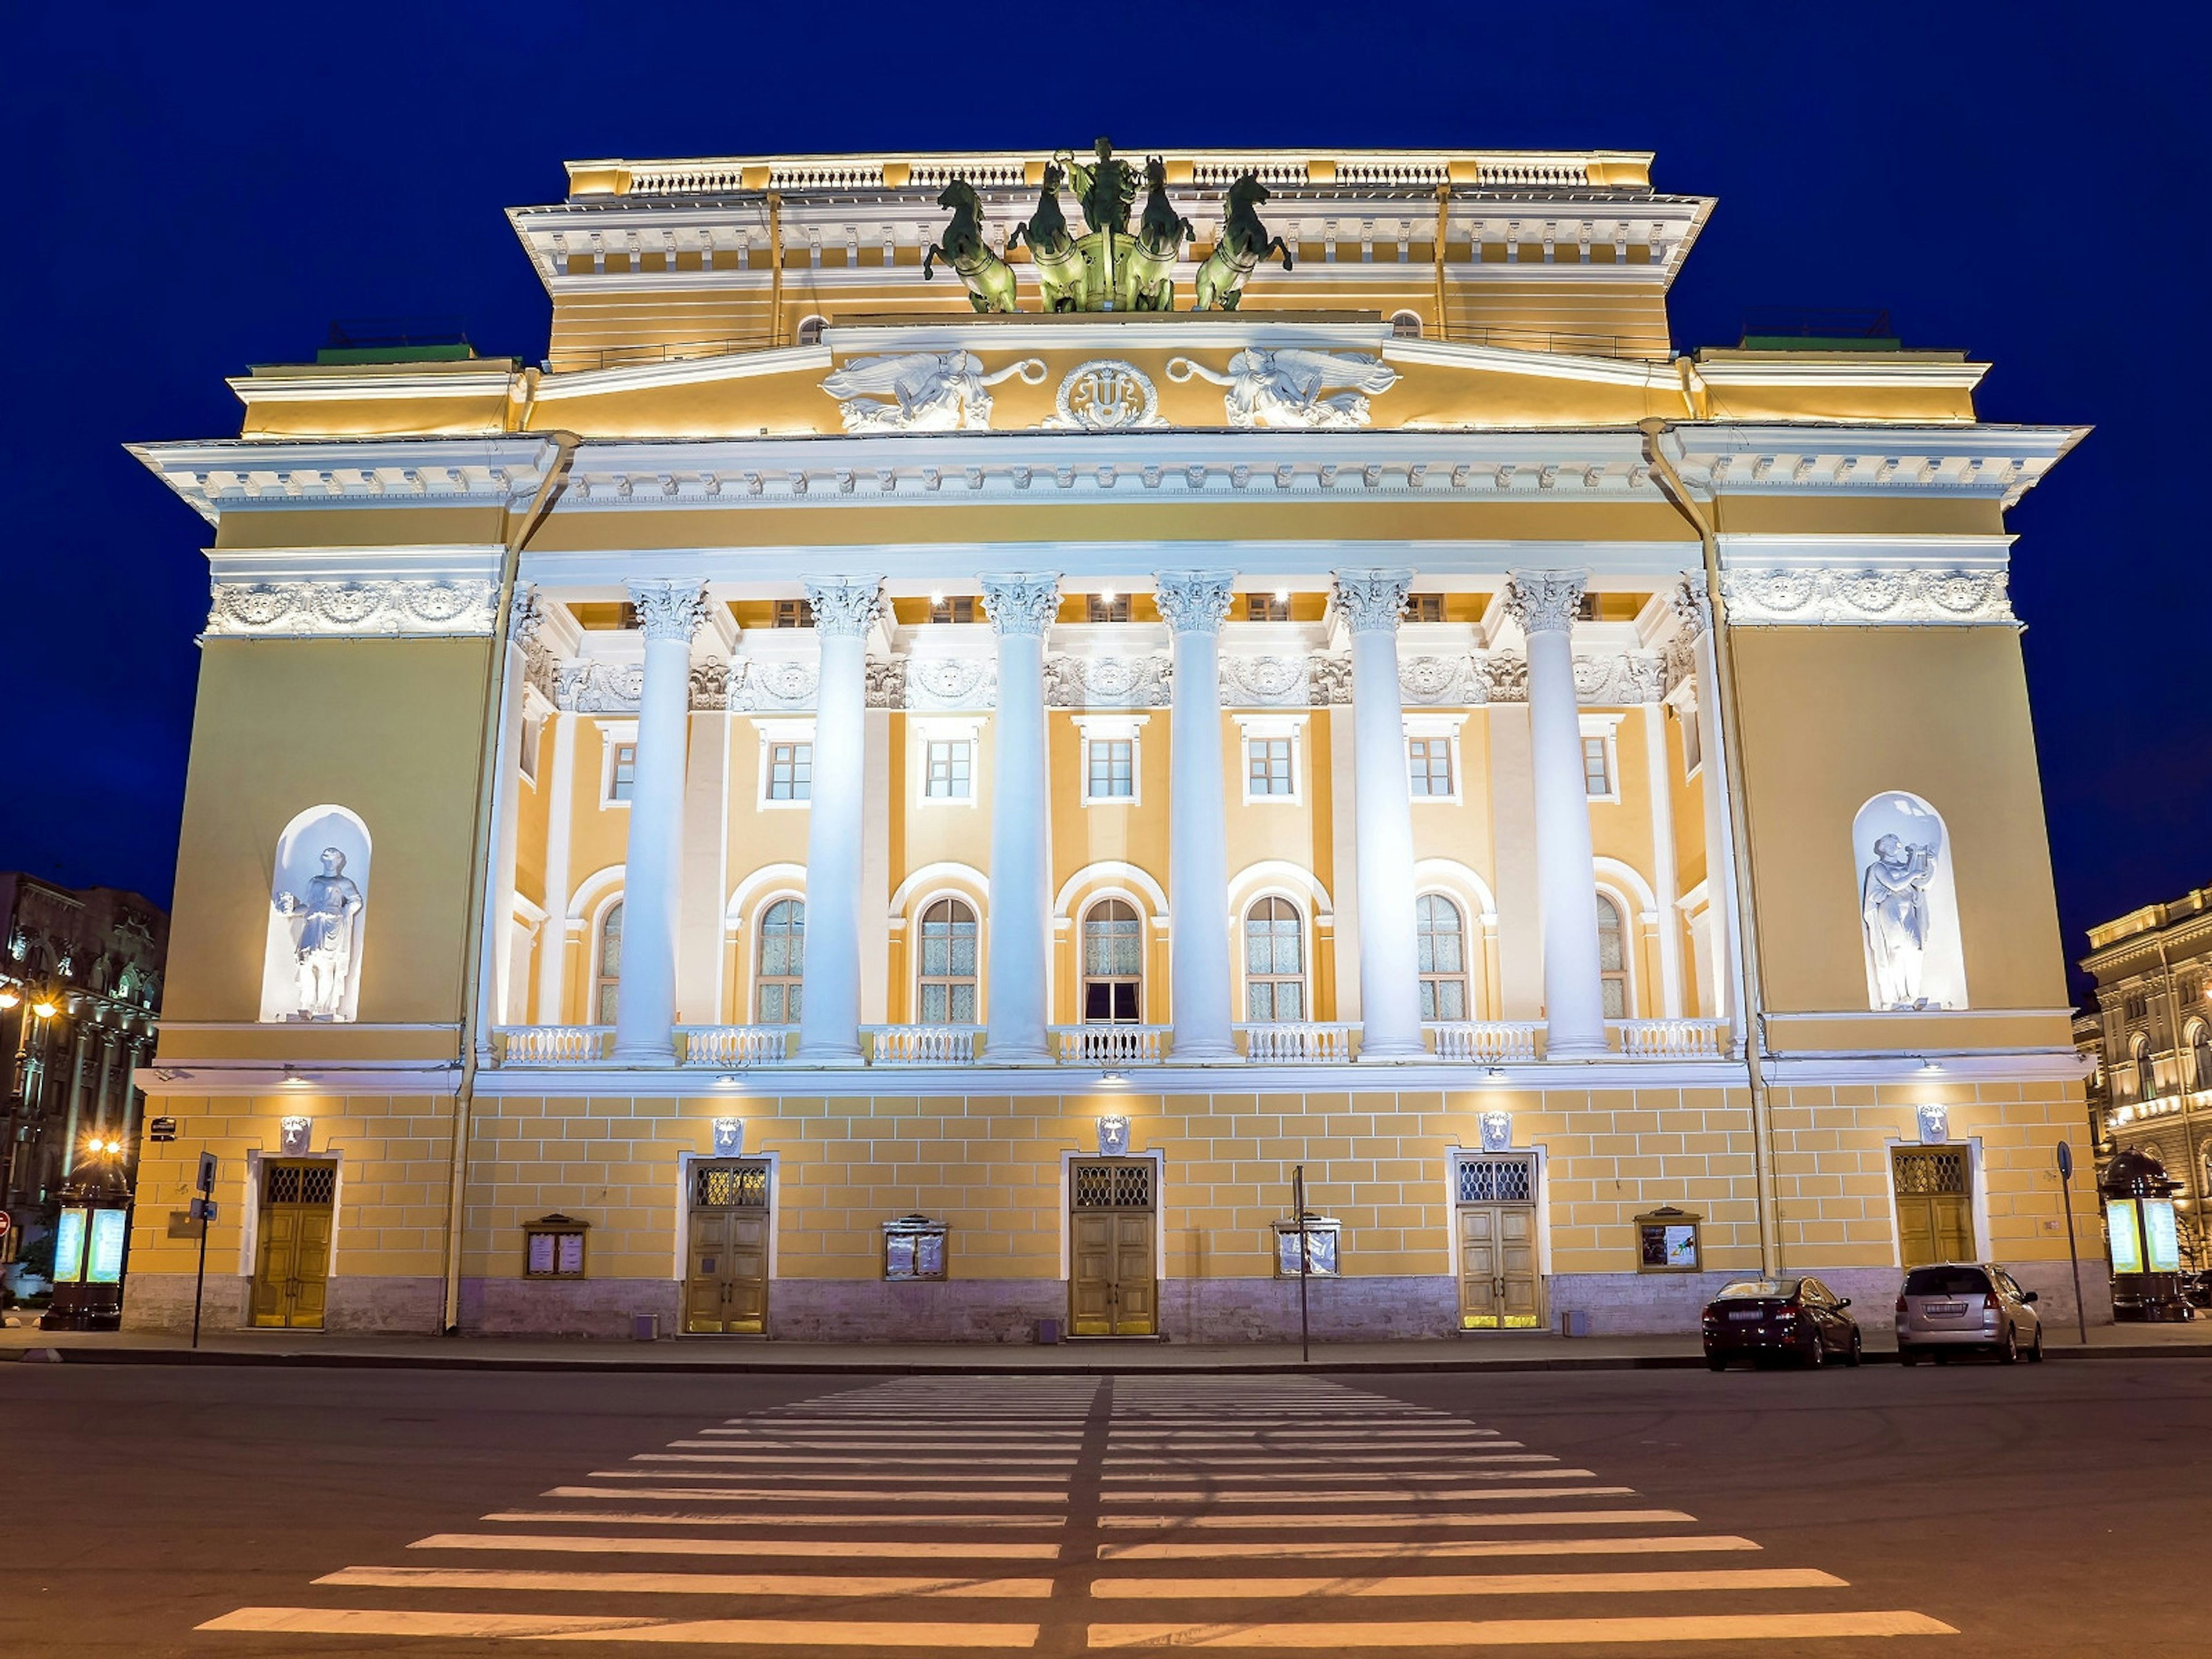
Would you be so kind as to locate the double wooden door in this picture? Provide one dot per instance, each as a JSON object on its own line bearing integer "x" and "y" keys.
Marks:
{"x": 1935, "y": 1207}
{"x": 292, "y": 1253}
{"x": 725, "y": 1271}
{"x": 1114, "y": 1272}
{"x": 1499, "y": 1286}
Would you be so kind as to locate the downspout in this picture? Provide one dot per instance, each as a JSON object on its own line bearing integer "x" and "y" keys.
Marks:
{"x": 774, "y": 268}
{"x": 488, "y": 757}
{"x": 1726, "y": 725}
{"x": 2184, "y": 1076}
{"x": 1444, "y": 210}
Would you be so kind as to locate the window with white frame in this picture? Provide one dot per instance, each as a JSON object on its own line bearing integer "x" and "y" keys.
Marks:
{"x": 1440, "y": 936}
{"x": 1612, "y": 958}
{"x": 781, "y": 962}
{"x": 618, "y": 765}
{"x": 1108, "y": 607}
{"x": 1273, "y": 766}
{"x": 1428, "y": 766}
{"x": 1267, "y": 607}
{"x": 791, "y": 771}
{"x": 947, "y": 992}
{"x": 533, "y": 728}
{"x": 1113, "y": 772}
{"x": 1274, "y": 963}
{"x": 948, "y": 765}
{"x": 606, "y": 985}
{"x": 1601, "y": 756}
{"x": 1113, "y": 963}
{"x": 1693, "y": 741}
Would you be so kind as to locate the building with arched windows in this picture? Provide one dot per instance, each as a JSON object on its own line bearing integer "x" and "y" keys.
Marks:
{"x": 1059, "y": 748}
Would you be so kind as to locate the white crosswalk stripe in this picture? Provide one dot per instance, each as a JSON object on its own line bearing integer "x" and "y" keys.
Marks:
{"x": 1071, "y": 1514}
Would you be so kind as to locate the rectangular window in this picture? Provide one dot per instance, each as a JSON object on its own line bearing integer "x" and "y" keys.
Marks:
{"x": 622, "y": 775}
{"x": 1693, "y": 746}
{"x": 1597, "y": 766}
{"x": 960, "y": 608}
{"x": 949, "y": 764}
{"x": 794, "y": 613}
{"x": 1265, "y": 607}
{"x": 533, "y": 727}
{"x": 791, "y": 771}
{"x": 1428, "y": 765}
{"x": 1269, "y": 763}
{"x": 2135, "y": 1006}
{"x": 1586, "y": 609}
{"x": 1113, "y": 774}
{"x": 1424, "y": 607}
{"x": 1107, "y": 608}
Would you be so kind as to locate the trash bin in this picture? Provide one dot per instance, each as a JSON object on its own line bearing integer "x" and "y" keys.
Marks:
{"x": 1047, "y": 1331}
{"x": 645, "y": 1328}
{"x": 1574, "y": 1322}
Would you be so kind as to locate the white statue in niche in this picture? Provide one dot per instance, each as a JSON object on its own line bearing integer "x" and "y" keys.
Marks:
{"x": 323, "y": 922}
{"x": 1908, "y": 908}
{"x": 1893, "y": 904}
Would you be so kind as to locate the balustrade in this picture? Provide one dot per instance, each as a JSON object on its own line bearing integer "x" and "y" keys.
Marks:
{"x": 1484, "y": 1042}
{"x": 1305, "y": 1042}
{"x": 922, "y": 1045}
{"x": 1669, "y": 1039}
{"x": 731, "y": 1046}
{"x": 1110, "y": 1045}
{"x": 549, "y": 1045}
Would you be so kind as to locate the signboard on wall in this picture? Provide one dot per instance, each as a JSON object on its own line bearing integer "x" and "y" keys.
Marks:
{"x": 2120, "y": 1231}
{"x": 104, "y": 1262}
{"x": 2165, "y": 1256}
{"x": 68, "y": 1246}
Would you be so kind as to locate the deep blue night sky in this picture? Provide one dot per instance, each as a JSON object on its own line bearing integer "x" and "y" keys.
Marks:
{"x": 198, "y": 188}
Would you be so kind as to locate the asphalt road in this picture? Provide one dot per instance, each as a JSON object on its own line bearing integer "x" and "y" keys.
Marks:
{"x": 1969, "y": 1510}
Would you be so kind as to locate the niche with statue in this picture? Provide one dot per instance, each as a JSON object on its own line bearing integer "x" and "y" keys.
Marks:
{"x": 1908, "y": 908}
{"x": 317, "y": 896}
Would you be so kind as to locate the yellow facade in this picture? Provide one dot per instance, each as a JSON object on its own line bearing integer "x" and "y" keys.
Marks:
{"x": 589, "y": 954}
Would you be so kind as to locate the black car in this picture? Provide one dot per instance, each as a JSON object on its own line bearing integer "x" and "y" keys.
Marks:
{"x": 1799, "y": 1319}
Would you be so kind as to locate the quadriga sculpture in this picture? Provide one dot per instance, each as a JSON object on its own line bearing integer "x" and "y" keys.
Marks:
{"x": 990, "y": 279}
{"x": 1146, "y": 278}
{"x": 1053, "y": 253}
{"x": 1244, "y": 242}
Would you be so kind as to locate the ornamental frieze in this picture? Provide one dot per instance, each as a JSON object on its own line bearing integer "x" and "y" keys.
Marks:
{"x": 1872, "y": 597}
{"x": 1108, "y": 682}
{"x": 759, "y": 687}
{"x": 332, "y": 609}
{"x": 951, "y": 682}
{"x": 598, "y": 688}
{"x": 1266, "y": 682}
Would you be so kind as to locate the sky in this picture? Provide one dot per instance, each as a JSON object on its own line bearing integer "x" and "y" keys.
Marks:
{"x": 206, "y": 187}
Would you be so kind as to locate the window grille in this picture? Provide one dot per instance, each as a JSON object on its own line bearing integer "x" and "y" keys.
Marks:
{"x": 1113, "y": 1185}
{"x": 1497, "y": 1180}
{"x": 730, "y": 1187}
{"x": 1932, "y": 1169}
{"x": 300, "y": 1184}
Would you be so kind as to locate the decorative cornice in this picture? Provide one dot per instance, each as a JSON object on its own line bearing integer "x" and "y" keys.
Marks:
{"x": 1372, "y": 601}
{"x": 217, "y": 475}
{"x": 844, "y": 608}
{"x": 1544, "y": 601}
{"x": 669, "y": 610}
{"x": 2000, "y": 463}
{"x": 336, "y": 609}
{"x": 1025, "y": 603}
{"x": 1866, "y": 596}
{"x": 1194, "y": 601}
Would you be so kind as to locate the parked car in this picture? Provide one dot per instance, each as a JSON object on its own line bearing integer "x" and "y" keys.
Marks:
{"x": 1769, "y": 1318}
{"x": 1973, "y": 1305}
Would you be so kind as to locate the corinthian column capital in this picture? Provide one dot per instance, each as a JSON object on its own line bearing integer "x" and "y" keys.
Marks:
{"x": 669, "y": 610}
{"x": 1373, "y": 600}
{"x": 1691, "y": 609}
{"x": 847, "y": 605}
{"x": 1544, "y": 601}
{"x": 1023, "y": 604}
{"x": 1193, "y": 601}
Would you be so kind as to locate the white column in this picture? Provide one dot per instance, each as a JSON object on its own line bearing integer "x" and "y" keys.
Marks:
{"x": 1021, "y": 609}
{"x": 1544, "y": 603}
{"x": 1195, "y": 603}
{"x": 830, "y": 1009}
{"x": 670, "y": 614}
{"x": 1653, "y": 715}
{"x": 1371, "y": 602}
{"x": 495, "y": 966}
{"x": 553, "y": 947}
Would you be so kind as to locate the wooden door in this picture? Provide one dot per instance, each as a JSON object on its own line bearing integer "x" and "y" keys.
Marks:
{"x": 727, "y": 1238}
{"x": 1113, "y": 1275}
{"x": 1480, "y": 1286}
{"x": 1521, "y": 1307}
{"x": 1499, "y": 1286}
{"x": 1934, "y": 1210}
{"x": 292, "y": 1258}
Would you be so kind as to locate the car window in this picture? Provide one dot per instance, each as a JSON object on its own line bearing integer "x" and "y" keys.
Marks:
{"x": 2009, "y": 1285}
{"x": 1815, "y": 1292}
{"x": 1947, "y": 1281}
{"x": 1766, "y": 1289}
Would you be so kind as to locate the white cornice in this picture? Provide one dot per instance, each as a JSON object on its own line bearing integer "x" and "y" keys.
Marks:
{"x": 368, "y": 388}
{"x": 1643, "y": 373}
{"x": 1870, "y": 370}
{"x": 1998, "y": 462}
{"x": 1133, "y": 332}
{"x": 688, "y": 371}
{"x": 219, "y": 474}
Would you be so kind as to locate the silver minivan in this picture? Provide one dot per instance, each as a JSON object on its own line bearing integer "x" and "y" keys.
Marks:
{"x": 1965, "y": 1304}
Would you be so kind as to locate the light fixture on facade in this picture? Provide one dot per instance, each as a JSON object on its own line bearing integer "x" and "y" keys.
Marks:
{"x": 1112, "y": 1079}
{"x": 1107, "y": 596}
{"x": 729, "y": 1081}
{"x": 937, "y": 595}
{"x": 1282, "y": 596}
{"x": 1495, "y": 1074}
{"x": 9, "y": 996}
{"x": 1929, "y": 1068}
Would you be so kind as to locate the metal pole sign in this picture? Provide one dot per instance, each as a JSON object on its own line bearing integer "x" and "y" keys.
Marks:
{"x": 2073, "y": 1254}
{"x": 1305, "y": 1259}
{"x": 203, "y": 1212}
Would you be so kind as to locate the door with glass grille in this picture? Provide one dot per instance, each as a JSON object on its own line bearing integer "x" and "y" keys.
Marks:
{"x": 1499, "y": 1288}
{"x": 292, "y": 1251}
{"x": 1113, "y": 1279}
{"x": 727, "y": 1233}
{"x": 1935, "y": 1207}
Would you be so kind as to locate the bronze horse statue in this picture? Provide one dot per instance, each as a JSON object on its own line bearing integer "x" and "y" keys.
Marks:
{"x": 1146, "y": 280}
{"x": 1053, "y": 253}
{"x": 1244, "y": 242}
{"x": 990, "y": 280}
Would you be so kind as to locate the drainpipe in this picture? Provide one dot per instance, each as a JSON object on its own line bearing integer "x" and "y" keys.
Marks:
{"x": 1444, "y": 211}
{"x": 1726, "y": 725}
{"x": 488, "y": 757}
{"x": 774, "y": 268}
{"x": 2185, "y": 1078}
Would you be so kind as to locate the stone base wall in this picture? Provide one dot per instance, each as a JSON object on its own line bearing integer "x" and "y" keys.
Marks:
{"x": 573, "y": 1307}
{"x": 393, "y": 1305}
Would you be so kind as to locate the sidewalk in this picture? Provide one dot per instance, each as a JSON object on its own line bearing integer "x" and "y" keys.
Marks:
{"x": 1475, "y": 1352}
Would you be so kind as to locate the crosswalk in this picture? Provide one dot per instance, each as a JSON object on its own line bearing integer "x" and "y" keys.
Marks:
{"x": 1058, "y": 1516}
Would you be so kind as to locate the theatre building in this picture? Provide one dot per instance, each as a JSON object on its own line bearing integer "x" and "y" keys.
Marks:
{"x": 906, "y": 778}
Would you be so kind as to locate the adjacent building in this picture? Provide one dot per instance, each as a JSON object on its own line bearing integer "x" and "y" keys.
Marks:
{"x": 902, "y": 784}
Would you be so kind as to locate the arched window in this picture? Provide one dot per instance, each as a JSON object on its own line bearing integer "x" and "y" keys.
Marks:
{"x": 1404, "y": 325}
{"x": 782, "y": 962}
{"x": 606, "y": 989}
{"x": 2146, "y": 1070}
{"x": 948, "y": 963}
{"x": 2200, "y": 1055}
{"x": 1112, "y": 964}
{"x": 1442, "y": 948}
{"x": 1612, "y": 958}
{"x": 1274, "y": 963}
{"x": 810, "y": 330}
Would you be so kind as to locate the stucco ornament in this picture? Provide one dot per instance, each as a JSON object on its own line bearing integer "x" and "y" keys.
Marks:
{"x": 921, "y": 391}
{"x": 1194, "y": 601}
{"x": 1021, "y": 604}
{"x": 669, "y": 610}
{"x": 1893, "y": 905}
{"x": 1372, "y": 601}
{"x": 849, "y": 608}
{"x": 1108, "y": 682}
{"x": 1934, "y": 1123}
{"x": 1113, "y": 1135}
{"x": 1544, "y": 601}
{"x": 1105, "y": 395}
{"x": 1294, "y": 388}
{"x": 323, "y": 920}
{"x": 1497, "y": 1131}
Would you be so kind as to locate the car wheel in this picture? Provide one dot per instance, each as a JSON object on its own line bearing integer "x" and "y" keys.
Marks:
{"x": 2008, "y": 1350}
{"x": 2035, "y": 1349}
{"x": 1715, "y": 1363}
{"x": 1817, "y": 1355}
{"x": 1853, "y": 1354}
{"x": 1906, "y": 1356}
{"x": 1941, "y": 1356}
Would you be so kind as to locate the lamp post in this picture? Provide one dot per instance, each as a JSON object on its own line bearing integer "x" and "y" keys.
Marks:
{"x": 90, "y": 1237}
{"x": 37, "y": 1005}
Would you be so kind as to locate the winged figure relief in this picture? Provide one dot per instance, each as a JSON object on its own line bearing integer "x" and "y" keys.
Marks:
{"x": 1294, "y": 388}
{"x": 920, "y": 391}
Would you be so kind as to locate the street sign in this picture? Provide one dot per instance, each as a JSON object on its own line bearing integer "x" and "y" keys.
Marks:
{"x": 162, "y": 1128}
{"x": 204, "y": 1212}
{"x": 2073, "y": 1250}
{"x": 6, "y": 1222}
{"x": 205, "y": 1185}
{"x": 203, "y": 1209}
{"x": 2065, "y": 1160}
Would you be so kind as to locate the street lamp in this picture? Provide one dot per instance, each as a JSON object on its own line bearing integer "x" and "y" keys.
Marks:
{"x": 90, "y": 1235}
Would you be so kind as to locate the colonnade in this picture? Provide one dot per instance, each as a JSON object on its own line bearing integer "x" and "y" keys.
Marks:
{"x": 1193, "y": 604}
